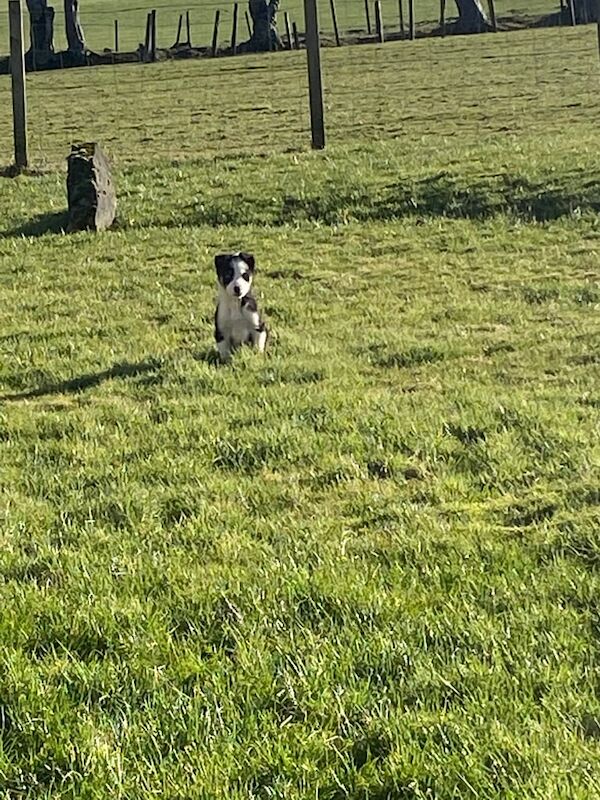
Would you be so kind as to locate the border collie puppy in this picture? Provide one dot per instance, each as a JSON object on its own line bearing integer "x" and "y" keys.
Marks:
{"x": 237, "y": 320}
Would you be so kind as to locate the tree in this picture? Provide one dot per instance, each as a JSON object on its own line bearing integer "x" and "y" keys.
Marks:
{"x": 264, "y": 27}
{"x": 41, "y": 49}
{"x": 75, "y": 38}
{"x": 41, "y": 53}
{"x": 471, "y": 17}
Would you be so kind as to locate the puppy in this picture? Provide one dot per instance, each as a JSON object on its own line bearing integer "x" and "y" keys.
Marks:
{"x": 237, "y": 319}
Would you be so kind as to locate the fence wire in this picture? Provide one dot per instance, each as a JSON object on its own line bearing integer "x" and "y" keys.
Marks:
{"x": 426, "y": 93}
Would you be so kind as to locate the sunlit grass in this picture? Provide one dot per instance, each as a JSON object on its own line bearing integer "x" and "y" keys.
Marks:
{"x": 366, "y": 565}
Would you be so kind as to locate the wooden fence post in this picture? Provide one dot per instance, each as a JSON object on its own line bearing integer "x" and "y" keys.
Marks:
{"x": 179, "y": 27}
{"x": 368, "y": 17}
{"x": 215, "y": 39}
{"x": 296, "y": 37}
{"x": 315, "y": 83}
{"x": 572, "y": 12}
{"x": 147, "y": 35}
{"x": 411, "y": 19}
{"x": 188, "y": 28}
{"x": 335, "y": 25}
{"x": 234, "y": 29}
{"x": 153, "y": 36}
{"x": 116, "y": 36}
{"x": 288, "y": 30}
{"x": 17, "y": 72}
{"x": 492, "y": 7}
{"x": 379, "y": 22}
{"x": 401, "y": 18}
{"x": 443, "y": 17}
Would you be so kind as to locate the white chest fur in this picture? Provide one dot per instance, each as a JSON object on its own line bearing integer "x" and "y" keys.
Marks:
{"x": 234, "y": 322}
{"x": 238, "y": 322}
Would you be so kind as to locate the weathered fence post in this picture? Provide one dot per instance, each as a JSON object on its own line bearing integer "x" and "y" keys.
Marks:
{"x": 368, "y": 17}
{"x": 17, "y": 72}
{"x": 188, "y": 28}
{"x": 295, "y": 35}
{"x": 315, "y": 83}
{"x": 492, "y": 7}
{"x": 572, "y": 12}
{"x": 90, "y": 191}
{"x": 401, "y": 18}
{"x": 234, "y": 29}
{"x": 443, "y": 17}
{"x": 116, "y": 36}
{"x": 179, "y": 27}
{"x": 153, "y": 36}
{"x": 411, "y": 19}
{"x": 335, "y": 25}
{"x": 215, "y": 39}
{"x": 288, "y": 30}
{"x": 147, "y": 36}
{"x": 379, "y": 22}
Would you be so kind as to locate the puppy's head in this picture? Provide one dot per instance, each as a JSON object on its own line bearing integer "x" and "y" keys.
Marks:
{"x": 235, "y": 272}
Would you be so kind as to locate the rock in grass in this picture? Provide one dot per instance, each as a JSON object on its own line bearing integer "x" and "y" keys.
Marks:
{"x": 90, "y": 190}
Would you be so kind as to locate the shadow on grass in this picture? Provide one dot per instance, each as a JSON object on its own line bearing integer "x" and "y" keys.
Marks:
{"x": 209, "y": 356}
{"x": 12, "y": 171}
{"x": 88, "y": 381}
{"x": 452, "y": 196}
{"x": 55, "y": 222}
{"x": 446, "y": 195}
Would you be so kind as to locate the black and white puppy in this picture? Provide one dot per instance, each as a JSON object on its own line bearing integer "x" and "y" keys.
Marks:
{"x": 237, "y": 319}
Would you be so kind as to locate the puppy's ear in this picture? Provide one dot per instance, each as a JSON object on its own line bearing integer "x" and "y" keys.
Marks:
{"x": 220, "y": 262}
{"x": 249, "y": 259}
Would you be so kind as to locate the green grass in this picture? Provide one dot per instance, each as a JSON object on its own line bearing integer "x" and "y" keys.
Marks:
{"x": 366, "y": 565}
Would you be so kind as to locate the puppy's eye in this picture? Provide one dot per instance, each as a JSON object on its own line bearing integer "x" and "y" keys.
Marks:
{"x": 245, "y": 276}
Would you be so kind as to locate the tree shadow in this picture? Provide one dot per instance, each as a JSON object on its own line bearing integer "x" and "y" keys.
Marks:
{"x": 445, "y": 195}
{"x": 55, "y": 222}
{"x": 87, "y": 381}
{"x": 448, "y": 195}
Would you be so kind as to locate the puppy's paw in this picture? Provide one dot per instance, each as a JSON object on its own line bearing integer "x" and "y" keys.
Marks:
{"x": 224, "y": 352}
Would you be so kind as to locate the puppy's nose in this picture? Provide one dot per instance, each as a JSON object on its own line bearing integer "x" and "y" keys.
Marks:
{"x": 236, "y": 291}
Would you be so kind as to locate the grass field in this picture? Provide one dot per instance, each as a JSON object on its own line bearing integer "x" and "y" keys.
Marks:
{"x": 365, "y": 566}
{"x": 98, "y": 19}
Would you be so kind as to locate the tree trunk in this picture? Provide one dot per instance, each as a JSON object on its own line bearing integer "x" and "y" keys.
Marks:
{"x": 264, "y": 27}
{"x": 471, "y": 17}
{"x": 41, "y": 16}
{"x": 75, "y": 38}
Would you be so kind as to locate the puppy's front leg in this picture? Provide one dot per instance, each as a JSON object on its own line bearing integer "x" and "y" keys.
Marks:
{"x": 224, "y": 350}
{"x": 222, "y": 342}
{"x": 259, "y": 337}
{"x": 258, "y": 330}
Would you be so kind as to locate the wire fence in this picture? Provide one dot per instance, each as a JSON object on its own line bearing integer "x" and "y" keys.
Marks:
{"x": 355, "y": 18}
{"x": 425, "y": 94}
